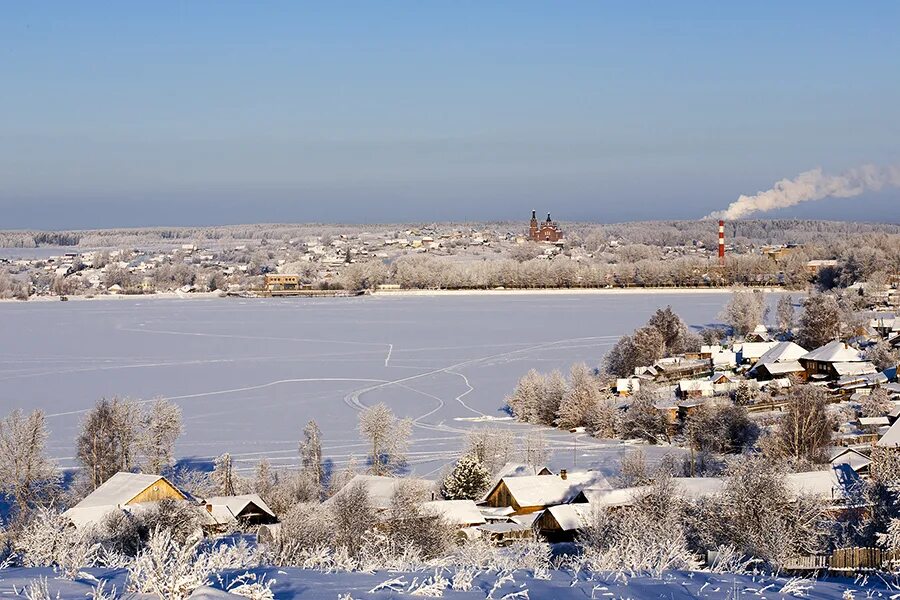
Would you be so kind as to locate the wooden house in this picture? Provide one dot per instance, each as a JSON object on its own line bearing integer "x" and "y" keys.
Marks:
{"x": 819, "y": 363}
{"x": 529, "y": 494}
{"x": 122, "y": 491}
{"x": 247, "y": 509}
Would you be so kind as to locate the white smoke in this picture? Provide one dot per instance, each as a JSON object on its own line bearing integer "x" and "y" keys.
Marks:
{"x": 813, "y": 185}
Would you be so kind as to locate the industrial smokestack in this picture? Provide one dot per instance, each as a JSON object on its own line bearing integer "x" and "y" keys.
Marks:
{"x": 813, "y": 185}
{"x": 722, "y": 243}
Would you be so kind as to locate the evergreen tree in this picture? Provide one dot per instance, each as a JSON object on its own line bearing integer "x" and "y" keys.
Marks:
{"x": 468, "y": 480}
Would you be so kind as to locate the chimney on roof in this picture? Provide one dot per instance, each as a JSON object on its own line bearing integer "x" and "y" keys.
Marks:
{"x": 563, "y": 474}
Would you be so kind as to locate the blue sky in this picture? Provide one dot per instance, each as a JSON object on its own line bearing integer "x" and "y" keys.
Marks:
{"x": 157, "y": 113}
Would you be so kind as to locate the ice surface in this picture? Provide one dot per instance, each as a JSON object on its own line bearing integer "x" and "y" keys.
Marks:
{"x": 249, "y": 374}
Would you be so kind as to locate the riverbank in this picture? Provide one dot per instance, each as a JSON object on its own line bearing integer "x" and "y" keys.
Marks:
{"x": 411, "y": 292}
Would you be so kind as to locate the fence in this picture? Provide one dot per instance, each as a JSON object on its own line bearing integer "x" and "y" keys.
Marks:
{"x": 843, "y": 559}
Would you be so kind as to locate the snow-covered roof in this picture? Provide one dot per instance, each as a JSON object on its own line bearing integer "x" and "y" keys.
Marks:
{"x": 381, "y": 489}
{"x": 754, "y": 350}
{"x": 235, "y": 505}
{"x": 119, "y": 490}
{"x": 874, "y": 421}
{"x": 834, "y": 352}
{"x": 835, "y": 483}
{"x": 779, "y": 368}
{"x": 547, "y": 490}
{"x": 854, "y": 458}
{"x": 847, "y": 369}
{"x": 455, "y": 512}
{"x": 571, "y": 516}
{"x": 891, "y": 439}
{"x": 693, "y": 488}
{"x": 782, "y": 352}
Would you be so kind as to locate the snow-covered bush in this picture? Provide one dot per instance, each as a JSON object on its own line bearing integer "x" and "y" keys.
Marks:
{"x": 48, "y": 539}
{"x": 647, "y": 538}
{"x": 171, "y": 570}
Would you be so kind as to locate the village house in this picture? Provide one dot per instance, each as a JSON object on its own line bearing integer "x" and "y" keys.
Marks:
{"x": 247, "y": 509}
{"x": 122, "y": 491}
{"x": 533, "y": 493}
{"x": 820, "y": 363}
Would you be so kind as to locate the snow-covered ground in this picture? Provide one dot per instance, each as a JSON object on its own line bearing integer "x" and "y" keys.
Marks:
{"x": 248, "y": 374}
{"x": 519, "y": 585}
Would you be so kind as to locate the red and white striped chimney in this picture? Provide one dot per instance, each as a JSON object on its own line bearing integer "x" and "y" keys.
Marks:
{"x": 722, "y": 243}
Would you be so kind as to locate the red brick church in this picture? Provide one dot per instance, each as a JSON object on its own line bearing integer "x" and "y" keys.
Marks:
{"x": 543, "y": 232}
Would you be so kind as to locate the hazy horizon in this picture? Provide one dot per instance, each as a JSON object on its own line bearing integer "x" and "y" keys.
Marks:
{"x": 204, "y": 113}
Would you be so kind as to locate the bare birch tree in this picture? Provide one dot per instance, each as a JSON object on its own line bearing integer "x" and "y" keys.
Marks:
{"x": 26, "y": 474}
{"x": 388, "y": 438}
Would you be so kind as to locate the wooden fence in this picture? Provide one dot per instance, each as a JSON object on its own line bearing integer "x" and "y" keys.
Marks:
{"x": 844, "y": 560}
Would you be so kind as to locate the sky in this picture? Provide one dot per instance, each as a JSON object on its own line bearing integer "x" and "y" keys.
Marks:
{"x": 193, "y": 113}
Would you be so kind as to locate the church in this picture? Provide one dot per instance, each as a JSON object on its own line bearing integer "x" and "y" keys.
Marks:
{"x": 543, "y": 232}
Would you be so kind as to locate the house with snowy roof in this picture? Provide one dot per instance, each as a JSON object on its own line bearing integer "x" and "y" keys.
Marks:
{"x": 248, "y": 509}
{"x": 123, "y": 491}
{"x": 820, "y": 363}
{"x": 458, "y": 513}
{"x": 530, "y": 494}
{"x": 749, "y": 353}
{"x": 381, "y": 490}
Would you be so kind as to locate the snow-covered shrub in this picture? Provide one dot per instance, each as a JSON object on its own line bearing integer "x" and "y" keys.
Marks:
{"x": 251, "y": 585}
{"x": 183, "y": 520}
{"x": 49, "y": 539}
{"x": 36, "y": 589}
{"x": 167, "y": 568}
{"x": 172, "y": 570}
{"x": 647, "y": 538}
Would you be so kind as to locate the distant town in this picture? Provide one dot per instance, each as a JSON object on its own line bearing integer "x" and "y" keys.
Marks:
{"x": 328, "y": 260}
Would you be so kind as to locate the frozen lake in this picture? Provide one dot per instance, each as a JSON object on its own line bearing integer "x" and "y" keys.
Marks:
{"x": 249, "y": 374}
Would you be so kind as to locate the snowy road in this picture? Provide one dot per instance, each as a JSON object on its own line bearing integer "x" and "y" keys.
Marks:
{"x": 248, "y": 374}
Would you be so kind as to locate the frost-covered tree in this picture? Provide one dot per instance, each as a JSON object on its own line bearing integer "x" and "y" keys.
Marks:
{"x": 26, "y": 474}
{"x": 160, "y": 428}
{"x": 311, "y": 453}
{"x": 493, "y": 446}
{"x": 468, "y": 480}
{"x": 352, "y": 513}
{"x": 820, "y": 321}
{"x": 223, "y": 475}
{"x": 744, "y": 311}
{"x": 633, "y": 470}
{"x": 388, "y": 438}
{"x": 643, "y": 420}
{"x": 876, "y": 404}
{"x": 723, "y": 428}
{"x": 784, "y": 314}
{"x": 555, "y": 389}
{"x": 606, "y": 418}
{"x": 535, "y": 449}
{"x": 676, "y": 336}
{"x": 578, "y": 405}
{"x": 882, "y": 355}
{"x": 107, "y": 441}
{"x": 804, "y": 431}
{"x": 527, "y": 399}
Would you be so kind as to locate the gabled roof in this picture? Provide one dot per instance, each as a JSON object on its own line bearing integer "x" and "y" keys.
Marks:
{"x": 754, "y": 350}
{"x": 845, "y": 369}
{"x": 836, "y": 483}
{"x": 381, "y": 490}
{"x": 455, "y": 512}
{"x": 778, "y": 368}
{"x": 236, "y": 505}
{"x": 848, "y": 456}
{"x": 571, "y": 517}
{"x": 836, "y": 351}
{"x": 120, "y": 489}
{"x": 113, "y": 495}
{"x": 891, "y": 439}
{"x": 547, "y": 490}
{"x": 782, "y": 352}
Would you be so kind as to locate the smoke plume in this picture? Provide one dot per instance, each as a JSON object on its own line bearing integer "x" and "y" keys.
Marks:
{"x": 813, "y": 185}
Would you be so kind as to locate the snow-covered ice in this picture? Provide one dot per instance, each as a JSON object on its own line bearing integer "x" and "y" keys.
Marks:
{"x": 248, "y": 374}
